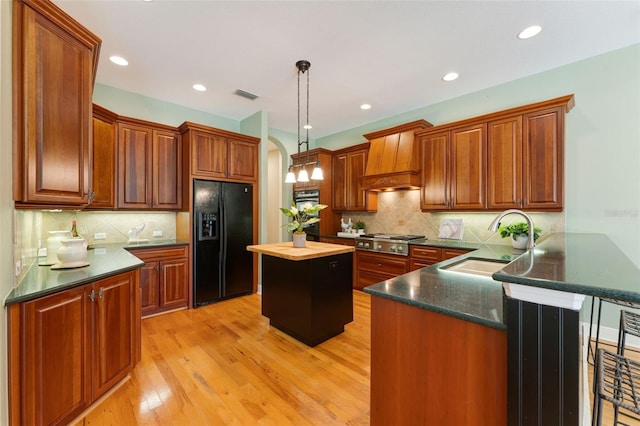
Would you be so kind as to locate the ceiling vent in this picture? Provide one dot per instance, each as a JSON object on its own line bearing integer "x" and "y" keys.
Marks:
{"x": 245, "y": 94}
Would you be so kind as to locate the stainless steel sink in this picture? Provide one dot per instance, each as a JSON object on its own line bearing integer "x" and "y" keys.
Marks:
{"x": 480, "y": 267}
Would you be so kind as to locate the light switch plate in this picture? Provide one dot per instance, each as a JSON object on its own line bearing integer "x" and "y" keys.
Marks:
{"x": 99, "y": 235}
{"x": 157, "y": 233}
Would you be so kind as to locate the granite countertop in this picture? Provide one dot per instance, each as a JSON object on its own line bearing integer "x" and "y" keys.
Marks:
{"x": 587, "y": 264}
{"x": 468, "y": 297}
{"x": 312, "y": 250}
{"x": 104, "y": 260}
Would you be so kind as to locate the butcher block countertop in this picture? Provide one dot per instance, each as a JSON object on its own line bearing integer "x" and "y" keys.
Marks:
{"x": 313, "y": 250}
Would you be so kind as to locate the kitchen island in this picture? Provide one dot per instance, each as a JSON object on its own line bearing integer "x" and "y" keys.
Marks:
{"x": 550, "y": 393}
{"x": 307, "y": 292}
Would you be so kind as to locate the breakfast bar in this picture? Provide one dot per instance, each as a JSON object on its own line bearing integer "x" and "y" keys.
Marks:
{"x": 524, "y": 343}
{"x": 307, "y": 292}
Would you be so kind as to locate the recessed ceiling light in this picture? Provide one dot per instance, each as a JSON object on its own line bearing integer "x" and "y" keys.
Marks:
{"x": 450, "y": 76}
{"x": 118, "y": 60}
{"x": 365, "y": 106}
{"x": 199, "y": 87}
{"x": 529, "y": 32}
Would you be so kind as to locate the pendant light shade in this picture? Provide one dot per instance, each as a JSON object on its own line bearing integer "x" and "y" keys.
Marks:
{"x": 303, "y": 176}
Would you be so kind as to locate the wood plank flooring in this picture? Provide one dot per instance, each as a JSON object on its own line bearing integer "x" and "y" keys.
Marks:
{"x": 223, "y": 364}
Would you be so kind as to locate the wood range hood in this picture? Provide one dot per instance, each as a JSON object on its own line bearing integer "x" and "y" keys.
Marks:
{"x": 394, "y": 158}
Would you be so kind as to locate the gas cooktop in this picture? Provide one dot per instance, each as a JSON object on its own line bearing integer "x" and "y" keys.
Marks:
{"x": 400, "y": 237}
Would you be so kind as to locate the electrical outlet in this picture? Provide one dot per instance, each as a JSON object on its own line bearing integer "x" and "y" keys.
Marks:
{"x": 157, "y": 233}
{"x": 18, "y": 267}
{"x": 99, "y": 235}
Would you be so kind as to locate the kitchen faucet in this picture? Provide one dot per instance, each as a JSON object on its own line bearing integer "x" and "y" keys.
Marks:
{"x": 496, "y": 223}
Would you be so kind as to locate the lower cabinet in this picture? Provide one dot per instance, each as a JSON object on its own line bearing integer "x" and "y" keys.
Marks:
{"x": 69, "y": 348}
{"x": 422, "y": 256}
{"x": 371, "y": 268}
{"x": 164, "y": 278}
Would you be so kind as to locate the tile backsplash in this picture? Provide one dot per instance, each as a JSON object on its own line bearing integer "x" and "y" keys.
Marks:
{"x": 399, "y": 213}
{"x": 32, "y": 226}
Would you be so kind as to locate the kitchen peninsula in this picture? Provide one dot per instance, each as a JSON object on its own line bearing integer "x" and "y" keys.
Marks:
{"x": 460, "y": 348}
{"x": 307, "y": 292}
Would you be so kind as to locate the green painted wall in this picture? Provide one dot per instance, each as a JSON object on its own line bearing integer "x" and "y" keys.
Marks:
{"x": 133, "y": 105}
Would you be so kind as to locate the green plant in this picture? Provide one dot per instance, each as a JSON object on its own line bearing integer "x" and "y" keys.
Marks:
{"x": 517, "y": 229}
{"x": 359, "y": 225}
{"x": 303, "y": 217}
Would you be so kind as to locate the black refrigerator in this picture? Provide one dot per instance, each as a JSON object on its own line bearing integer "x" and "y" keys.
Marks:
{"x": 223, "y": 228}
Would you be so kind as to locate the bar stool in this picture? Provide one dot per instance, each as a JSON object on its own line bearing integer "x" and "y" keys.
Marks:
{"x": 629, "y": 324}
{"x": 591, "y": 352}
{"x": 617, "y": 380}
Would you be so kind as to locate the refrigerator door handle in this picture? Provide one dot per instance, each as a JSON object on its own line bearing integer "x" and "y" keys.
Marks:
{"x": 223, "y": 245}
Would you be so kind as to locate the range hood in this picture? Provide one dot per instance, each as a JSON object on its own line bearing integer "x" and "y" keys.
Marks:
{"x": 394, "y": 158}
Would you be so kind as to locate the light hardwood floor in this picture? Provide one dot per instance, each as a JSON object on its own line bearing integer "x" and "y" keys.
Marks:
{"x": 223, "y": 364}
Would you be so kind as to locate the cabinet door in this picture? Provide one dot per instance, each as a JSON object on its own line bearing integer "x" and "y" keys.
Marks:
{"x": 150, "y": 287}
{"x": 435, "y": 172}
{"x": 504, "y": 163}
{"x": 135, "y": 169}
{"x": 53, "y": 89}
{"x": 114, "y": 330}
{"x": 167, "y": 170}
{"x": 356, "y": 197}
{"x": 56, "y": 358}
{"x": 339, "y": 176}
{"x": 543, "y": 159}
{"x": 173, "y": 283}
{"x": 468, "y": 170}
{"x": 208, "y": 155}
{"x": 104, "y": 164}
{"x": 243, "y": 160}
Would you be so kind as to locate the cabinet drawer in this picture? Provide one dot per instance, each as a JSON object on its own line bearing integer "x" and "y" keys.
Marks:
{"x": 451, "y": 253}
{"x": 160, "y": 253}
{"x": 419, "y": 263}
{"x": 393, "y": 265}
{"x": 426, "y": 253}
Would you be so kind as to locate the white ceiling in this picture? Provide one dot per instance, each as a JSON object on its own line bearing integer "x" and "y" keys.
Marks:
{"x": 391, "y": 54}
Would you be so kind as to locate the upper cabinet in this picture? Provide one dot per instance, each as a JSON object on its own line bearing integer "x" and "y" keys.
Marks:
{"x": 508, "y": 159}
{"x": 104, "y": 159}
{"x": 149, "y": 166}
{"x": 453, "y": 164}
{"x": 54, "y": 64}
{"x": 218, "y": 154}
{"x": 349, "y": 166}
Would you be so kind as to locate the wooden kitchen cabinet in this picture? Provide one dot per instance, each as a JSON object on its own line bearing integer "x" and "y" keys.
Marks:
{"x": 217, "y": 154}
{"x": 104, "y": 163}
{"x": 453, "y": 169}
{"x": 68, "y": 348}
{"x": 54, "y": 62}
{"x": 371, "y": 268}
{"x": 423, "y": 256}
{"x": 514, "y": 156}
{"x": 149, "y": 166}
{"x": 164, "y": 278}
{"x": 525, "y": 161}
{"x": 348, "y": 167}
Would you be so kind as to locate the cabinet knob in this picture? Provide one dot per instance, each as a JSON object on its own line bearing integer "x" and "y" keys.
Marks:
{"x": 100, "y": 292}
{"x": 91, "y": 196}
{"x": 91, "y": 295}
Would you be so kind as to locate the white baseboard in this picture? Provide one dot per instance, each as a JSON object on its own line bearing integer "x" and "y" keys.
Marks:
{"x": 610, "y": 335}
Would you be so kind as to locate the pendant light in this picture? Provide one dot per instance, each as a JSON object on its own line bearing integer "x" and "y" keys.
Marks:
{"x": 303, "y": 176}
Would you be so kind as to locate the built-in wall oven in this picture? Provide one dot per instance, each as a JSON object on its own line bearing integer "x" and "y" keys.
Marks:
{"x": 313, "y": 197}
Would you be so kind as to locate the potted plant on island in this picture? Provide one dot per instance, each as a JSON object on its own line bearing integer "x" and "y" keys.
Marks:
{"x": 519, "y": 232}
{"x": 300, "y": 220}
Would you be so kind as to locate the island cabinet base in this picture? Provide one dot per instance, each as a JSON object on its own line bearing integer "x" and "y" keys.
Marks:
{"x": 432, "y": 369}
{"x": 310, "y": 300}
{"x": 544, "y": 365}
